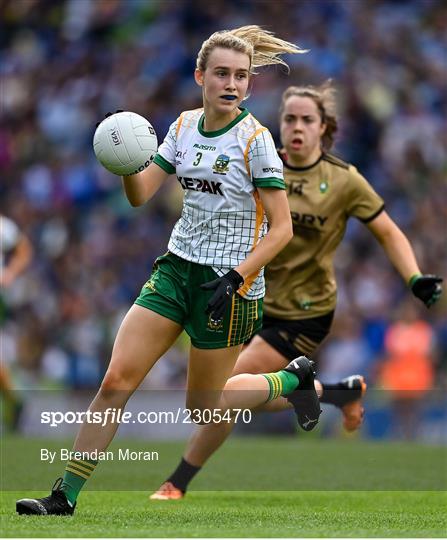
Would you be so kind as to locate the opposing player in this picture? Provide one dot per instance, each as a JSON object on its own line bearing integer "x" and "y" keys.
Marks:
{"x": 15, "y": 256}
{"x": 323, "y": 193}
{"x": 210, "y": 282}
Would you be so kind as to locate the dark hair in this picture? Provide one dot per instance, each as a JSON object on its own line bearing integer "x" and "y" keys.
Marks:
{"x": 324, "y": 98}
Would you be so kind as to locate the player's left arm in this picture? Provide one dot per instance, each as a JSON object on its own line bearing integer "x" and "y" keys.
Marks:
{"x": 399, "y": 251}
{"x": 280, "y": 232}
{"x": 18, "y": 262}
{"x": 276, "y": 208}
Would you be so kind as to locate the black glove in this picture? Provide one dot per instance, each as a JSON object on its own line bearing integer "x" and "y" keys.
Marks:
{"x": 109, "y": 114}
{"x": 225, "y": 287}
{"x": 427, "y": 288}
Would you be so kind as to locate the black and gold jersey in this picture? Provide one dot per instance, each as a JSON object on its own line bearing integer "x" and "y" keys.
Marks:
{"x": 300, "y": 281}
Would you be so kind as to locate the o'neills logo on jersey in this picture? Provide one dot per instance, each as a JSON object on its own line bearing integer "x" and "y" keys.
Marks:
{"x": 272, "y": 170}
{"x": 197, "y": 184}
{"x": 221, "y": 164}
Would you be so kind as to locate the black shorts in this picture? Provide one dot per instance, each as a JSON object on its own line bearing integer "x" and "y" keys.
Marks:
{"x": 296, "y": 338}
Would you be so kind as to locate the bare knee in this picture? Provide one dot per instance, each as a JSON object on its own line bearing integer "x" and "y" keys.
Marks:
{"x": 243, "y": 381}
{"x": 115, "y": 384}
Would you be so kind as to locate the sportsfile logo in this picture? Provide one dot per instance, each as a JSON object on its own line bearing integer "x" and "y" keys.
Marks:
{"x": 114, "y": 415}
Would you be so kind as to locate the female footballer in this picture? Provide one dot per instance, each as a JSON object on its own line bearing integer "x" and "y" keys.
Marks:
{"x": 210, "y": 282}
{"x": 323, "y": 192}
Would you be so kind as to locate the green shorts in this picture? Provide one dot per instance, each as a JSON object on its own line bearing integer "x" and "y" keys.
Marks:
{"x": 173, "y": 291}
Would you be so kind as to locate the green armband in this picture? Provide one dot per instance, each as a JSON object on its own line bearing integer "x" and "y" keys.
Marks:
{"x": 413, "y": 279}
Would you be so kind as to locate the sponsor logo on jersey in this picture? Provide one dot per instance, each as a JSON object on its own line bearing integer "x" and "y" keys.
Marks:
{"x": 221, "y": 164}
{"x": 272, "y": 170}
{"x": 197, "y": 184}
{"x": 296, "y": 186}
{"x": 308, "y": 220}
{"x": 324, "y": 186}
{"x": 204, "y": 147}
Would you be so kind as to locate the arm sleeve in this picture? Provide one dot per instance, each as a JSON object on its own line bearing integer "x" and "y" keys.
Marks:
{"x": 264, "y": 162}
{"x": 362, "y": 201}
{"x": 165, "y": 156}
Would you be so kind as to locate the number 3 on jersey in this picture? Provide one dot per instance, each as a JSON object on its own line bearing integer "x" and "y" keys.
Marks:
{"x": 198, "y": 158}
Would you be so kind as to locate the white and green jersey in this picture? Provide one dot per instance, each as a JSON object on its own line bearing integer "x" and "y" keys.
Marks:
{"x": 222, "y": 218}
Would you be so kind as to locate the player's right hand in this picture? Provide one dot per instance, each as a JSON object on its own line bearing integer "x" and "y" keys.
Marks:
{"x": 427, "y": 288}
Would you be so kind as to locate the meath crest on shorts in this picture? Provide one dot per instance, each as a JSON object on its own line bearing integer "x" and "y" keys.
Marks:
{"x": 221, "y": 164}
{"x": 215, "y": 325}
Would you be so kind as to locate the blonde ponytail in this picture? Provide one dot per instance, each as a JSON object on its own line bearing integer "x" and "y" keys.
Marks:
{"x": 262, "y": 47}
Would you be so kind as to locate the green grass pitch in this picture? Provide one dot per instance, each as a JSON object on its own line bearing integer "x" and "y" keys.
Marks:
{"x": 403, "y": 491}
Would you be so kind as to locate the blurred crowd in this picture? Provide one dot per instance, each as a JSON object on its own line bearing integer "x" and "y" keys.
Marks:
{"x": 65, "y": 63}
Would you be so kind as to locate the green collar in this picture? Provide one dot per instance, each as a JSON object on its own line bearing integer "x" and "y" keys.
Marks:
{"x": 218, "y": 132}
